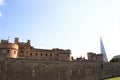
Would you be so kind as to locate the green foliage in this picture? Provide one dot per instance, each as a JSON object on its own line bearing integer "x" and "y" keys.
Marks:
{"x": 114, "y": 60}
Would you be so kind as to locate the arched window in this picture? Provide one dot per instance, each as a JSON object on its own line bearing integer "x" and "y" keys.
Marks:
{"x": 8, "y": 51}
{"x": 46, "y": 54}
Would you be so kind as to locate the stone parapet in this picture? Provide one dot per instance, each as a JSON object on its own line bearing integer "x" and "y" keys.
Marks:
{"x": 9, "y": 46}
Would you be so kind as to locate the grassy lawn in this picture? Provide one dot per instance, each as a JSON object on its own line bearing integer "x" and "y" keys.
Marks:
{"x": 117, "y": 78}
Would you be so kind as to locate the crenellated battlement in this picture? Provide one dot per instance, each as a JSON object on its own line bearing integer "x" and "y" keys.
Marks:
{"x": 9, "y": 46}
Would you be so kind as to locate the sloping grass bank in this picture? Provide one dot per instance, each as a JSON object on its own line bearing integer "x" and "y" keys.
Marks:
{"x": 117, "y": 78}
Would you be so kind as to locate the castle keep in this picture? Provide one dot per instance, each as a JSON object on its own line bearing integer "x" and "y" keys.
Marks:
{"x": 25, "y": 50}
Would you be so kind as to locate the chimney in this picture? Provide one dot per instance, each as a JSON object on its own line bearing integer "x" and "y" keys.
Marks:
{"x": 28, "y": 42}
{"x": 16, "y": 40}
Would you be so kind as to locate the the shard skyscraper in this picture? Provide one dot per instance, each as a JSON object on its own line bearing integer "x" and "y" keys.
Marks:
{"x": 102, "y": 50}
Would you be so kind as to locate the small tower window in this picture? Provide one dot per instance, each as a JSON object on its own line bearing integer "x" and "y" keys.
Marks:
{"x": 14, "y": 52}
{"x": 8, "y": 51}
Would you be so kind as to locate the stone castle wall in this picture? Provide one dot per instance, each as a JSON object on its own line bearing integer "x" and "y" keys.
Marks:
{"x": 22, "y": 69}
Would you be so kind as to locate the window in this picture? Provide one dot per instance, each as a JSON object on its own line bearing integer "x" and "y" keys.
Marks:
{"x": 46, "y": 54}
{"x": 14, "y": 52}
{"x": 41, "y": 54}
{"x": 36, "y": 54}
{"x": 8, "y": 51}
{"x": 21, "y": 51}
{"x": 30, "y": 54}
{"x": 50, "y": 54}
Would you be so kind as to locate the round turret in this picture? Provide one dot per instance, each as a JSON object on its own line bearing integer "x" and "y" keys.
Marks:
{"x": 10, "y": 50}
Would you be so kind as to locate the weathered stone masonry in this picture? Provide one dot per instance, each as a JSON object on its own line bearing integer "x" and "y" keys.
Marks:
{"x": 22, "y": 69}
{"x": 25, "y": 50}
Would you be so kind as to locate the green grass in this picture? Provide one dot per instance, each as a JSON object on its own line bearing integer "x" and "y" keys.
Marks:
{"x": 117, "y": 78}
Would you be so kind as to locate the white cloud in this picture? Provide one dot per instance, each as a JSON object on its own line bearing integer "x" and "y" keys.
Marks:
{"x": 0, "y": 14}
{"x": 1, "y": 2}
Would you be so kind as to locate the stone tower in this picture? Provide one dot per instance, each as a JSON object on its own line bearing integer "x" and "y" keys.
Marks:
{"x": 8, "y": 50}
{"x": 16, "y": 41}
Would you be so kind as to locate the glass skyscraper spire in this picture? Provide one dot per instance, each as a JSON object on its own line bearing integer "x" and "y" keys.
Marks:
{"x": 102, "y": 51}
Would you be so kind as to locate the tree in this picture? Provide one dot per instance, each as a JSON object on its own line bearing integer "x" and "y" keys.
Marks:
{"x": 114, "y": 60}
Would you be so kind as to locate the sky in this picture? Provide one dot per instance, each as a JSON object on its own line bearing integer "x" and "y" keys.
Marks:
{"x": 65, "y": 24}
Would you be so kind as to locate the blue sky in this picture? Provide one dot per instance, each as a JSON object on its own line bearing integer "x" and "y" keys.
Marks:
{"x": 66, "y": 24}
